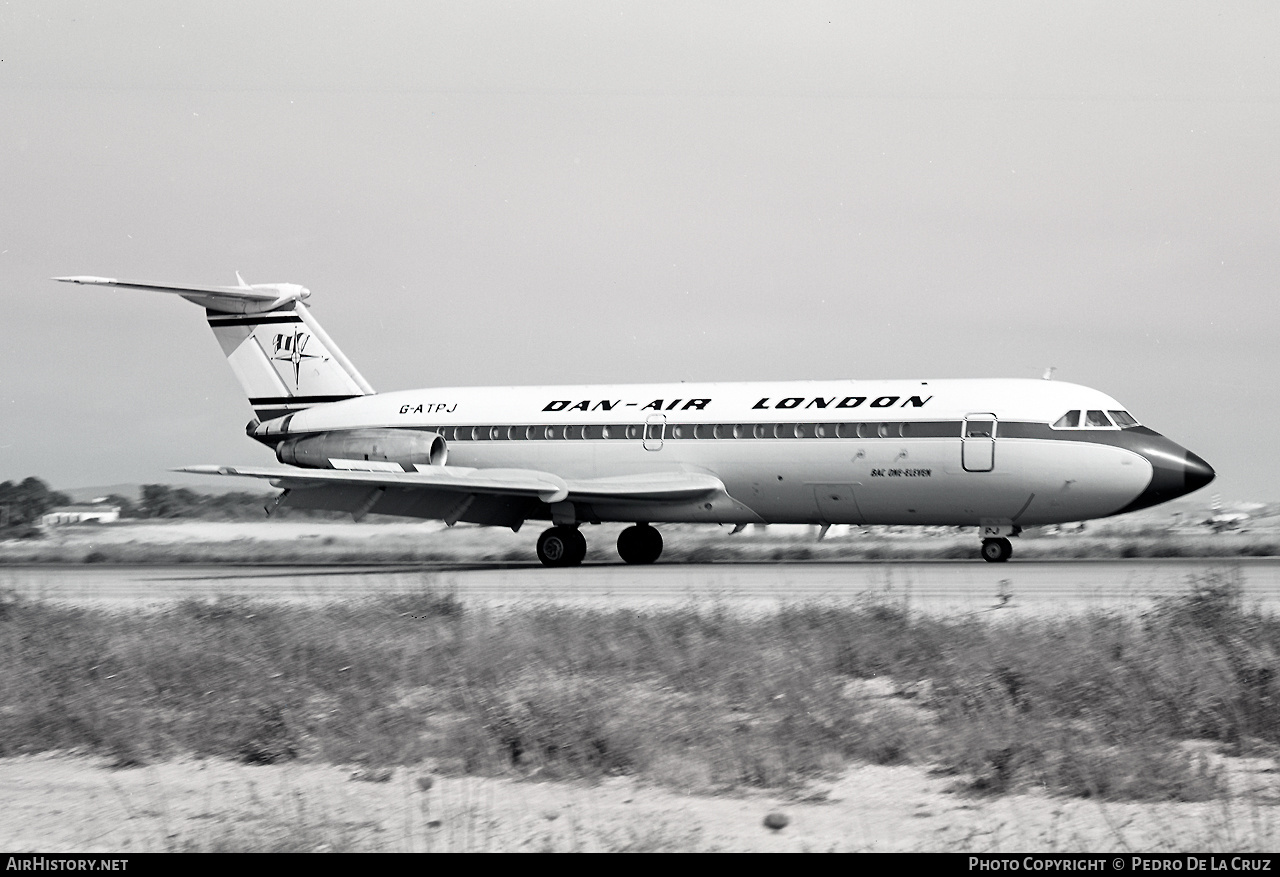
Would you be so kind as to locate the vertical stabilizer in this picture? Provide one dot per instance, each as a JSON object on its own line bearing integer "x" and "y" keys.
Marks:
{"x": 284, "y": 360}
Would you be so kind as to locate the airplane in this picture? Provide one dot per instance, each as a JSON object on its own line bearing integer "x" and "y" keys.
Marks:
{"x": 1222, "y": 521}
{"x": 998, "y": 455}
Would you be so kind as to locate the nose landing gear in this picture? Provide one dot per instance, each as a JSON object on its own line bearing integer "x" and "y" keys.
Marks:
{"x": 996, "y": 550}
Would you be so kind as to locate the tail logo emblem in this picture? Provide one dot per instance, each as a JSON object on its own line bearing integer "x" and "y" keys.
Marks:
{"x": 289, "y": 348}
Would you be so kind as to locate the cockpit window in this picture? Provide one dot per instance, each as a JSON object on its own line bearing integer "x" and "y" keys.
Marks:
{"x": 1095, "y": 419}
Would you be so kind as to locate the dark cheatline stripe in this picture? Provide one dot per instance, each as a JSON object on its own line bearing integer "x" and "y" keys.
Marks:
{"x": 254, "y": 321}
{"x": 932, "y": 429}
{"x": 915, "y": 429}
{"x": 1120, "y": 438}
{"x": 1139, "y": 439}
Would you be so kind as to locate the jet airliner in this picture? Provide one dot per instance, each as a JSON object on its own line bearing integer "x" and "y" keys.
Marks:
{"x": 996, "y": 455}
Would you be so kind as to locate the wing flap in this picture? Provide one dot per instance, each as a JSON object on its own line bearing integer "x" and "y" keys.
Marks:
{"x": 651, "y": 487}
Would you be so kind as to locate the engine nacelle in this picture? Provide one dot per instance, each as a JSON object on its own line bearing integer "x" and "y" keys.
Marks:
{"x": 347, "y": 449}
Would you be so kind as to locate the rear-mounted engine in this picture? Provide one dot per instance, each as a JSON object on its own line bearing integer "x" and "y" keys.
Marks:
{"x": 358, "y": 448}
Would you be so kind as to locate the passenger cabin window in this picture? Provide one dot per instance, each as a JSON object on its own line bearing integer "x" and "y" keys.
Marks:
{"x": 1096, "y": 418}
{"x": 1123, "y": 419}
{"x": 1069, "y": 420}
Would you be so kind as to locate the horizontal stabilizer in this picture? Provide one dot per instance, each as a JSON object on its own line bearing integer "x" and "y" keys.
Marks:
{"x": 245, "y": 299}
{"x": 282, "y": 358}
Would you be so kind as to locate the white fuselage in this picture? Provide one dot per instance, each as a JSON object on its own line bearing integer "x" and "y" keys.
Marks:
{"x": 957, "y": 452}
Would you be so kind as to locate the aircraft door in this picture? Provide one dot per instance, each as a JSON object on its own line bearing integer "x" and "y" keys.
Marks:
{"x": 978, "y": 443}
{"x": 654, "y": 430}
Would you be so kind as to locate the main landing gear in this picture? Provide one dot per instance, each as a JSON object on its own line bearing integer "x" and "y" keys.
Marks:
{"x": 639, "y": 544}
{"x": 562, "y": 546}
{"x": 566, "y": 546}
{"x": 996, "y": 550}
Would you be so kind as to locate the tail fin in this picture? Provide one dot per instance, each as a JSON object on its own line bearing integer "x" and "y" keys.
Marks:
{"x": 284, "y": 360}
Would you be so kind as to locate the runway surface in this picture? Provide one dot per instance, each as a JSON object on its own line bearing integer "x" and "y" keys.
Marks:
{"x": 943, "y": 586}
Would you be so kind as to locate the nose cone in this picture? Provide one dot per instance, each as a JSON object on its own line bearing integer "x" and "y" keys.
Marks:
{"x": 1175, "y": 471}
{"x": 1198, "y": 473}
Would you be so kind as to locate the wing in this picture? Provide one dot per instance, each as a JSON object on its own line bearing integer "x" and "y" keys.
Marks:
{"x": 505, "y": 497}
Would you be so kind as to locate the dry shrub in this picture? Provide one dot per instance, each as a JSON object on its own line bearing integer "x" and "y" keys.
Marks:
{"x": 701, "y": 699}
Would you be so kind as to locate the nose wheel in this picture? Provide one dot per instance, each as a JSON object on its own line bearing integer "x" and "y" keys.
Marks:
{"x": 639, "y": 544}
{"x": 562, "y": 546}
{"x": 996, "y": 550}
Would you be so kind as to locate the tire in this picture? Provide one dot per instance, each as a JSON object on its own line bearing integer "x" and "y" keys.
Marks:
{"x": 996, "y": 550}
{"x": 640, "y": 544}
{"x": 562, "y": 546}
{"x": 578, "y": 544}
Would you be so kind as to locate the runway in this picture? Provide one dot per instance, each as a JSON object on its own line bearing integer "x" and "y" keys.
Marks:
{"x": 1011, "y": 589}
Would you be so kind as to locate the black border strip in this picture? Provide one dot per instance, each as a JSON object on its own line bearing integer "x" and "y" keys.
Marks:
{"x": 300, "y": 400}
{"x": 254, "y": 321}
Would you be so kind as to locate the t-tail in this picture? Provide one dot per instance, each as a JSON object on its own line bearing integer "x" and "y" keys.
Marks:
{"x": 284, "y": 360}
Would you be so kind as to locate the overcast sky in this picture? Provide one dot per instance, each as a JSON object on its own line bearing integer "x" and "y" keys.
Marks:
{"x": 483, "y": 193}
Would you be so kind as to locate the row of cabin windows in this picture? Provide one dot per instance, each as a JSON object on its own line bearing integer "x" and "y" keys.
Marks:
{"x": 1095, "y": 419}
{"x": 701, "y": 431}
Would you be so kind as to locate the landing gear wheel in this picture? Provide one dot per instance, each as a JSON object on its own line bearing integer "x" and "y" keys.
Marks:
{"x": 562, "y": 546}
{"x": 639, "y": 544}
{"x": 579, "y": 544}
{"x": 996, "y": 550}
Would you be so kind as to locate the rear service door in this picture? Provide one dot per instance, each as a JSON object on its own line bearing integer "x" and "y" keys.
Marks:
{"x": 978, "y": 443}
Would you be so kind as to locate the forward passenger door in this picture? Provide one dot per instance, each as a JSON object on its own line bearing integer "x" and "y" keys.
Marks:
{"x": 978, "y": 443}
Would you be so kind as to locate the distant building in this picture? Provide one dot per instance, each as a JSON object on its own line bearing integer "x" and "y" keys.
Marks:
{"x": 79, "y": 514}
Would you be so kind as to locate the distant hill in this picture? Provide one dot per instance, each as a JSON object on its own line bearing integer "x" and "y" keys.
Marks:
{"x": 89, "y": 494}
{"x": 227, "y": 502}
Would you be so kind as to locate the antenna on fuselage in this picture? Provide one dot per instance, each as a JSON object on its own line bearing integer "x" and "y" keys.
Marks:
{"x": 1048, "y": 373}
